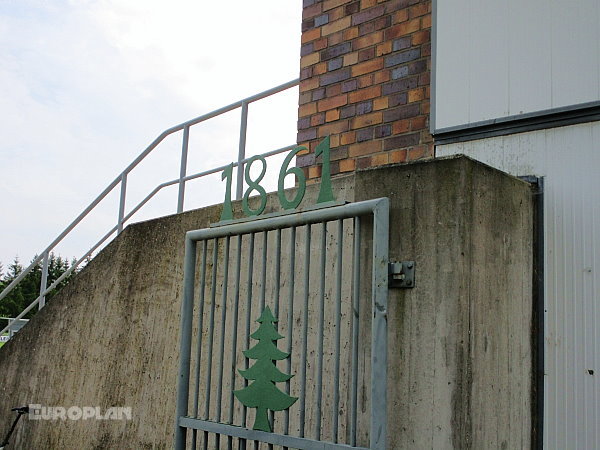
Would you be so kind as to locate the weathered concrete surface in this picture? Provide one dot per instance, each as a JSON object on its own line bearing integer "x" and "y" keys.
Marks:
{"x": 460, "y": 353}
{"x": 459, "y": 343}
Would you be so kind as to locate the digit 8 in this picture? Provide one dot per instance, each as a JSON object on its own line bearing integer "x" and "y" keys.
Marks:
{"x": 253, "y": 185}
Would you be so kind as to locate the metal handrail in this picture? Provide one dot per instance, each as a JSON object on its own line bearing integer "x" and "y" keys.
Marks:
{"x": 122, "y": 180}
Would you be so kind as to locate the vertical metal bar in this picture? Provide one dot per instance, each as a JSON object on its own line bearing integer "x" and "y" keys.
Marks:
{"x": 305, "y": 330}
{"x": 222, "y": 343}
{"x": 290, "y": 321}
{"x": 263, "y": 289}
{"x": 199, "y": 343}
{"x": 379, "y": 326}
{"x": 276, "y": 300}
{"x": 122, "y": 202}
{"x": 355, "y": 329}
{"x": 319, "y": 391}
{"x": 187, "y": 310}
{"x": 241, "y": 152}
{"x": 44, "y": 281}
{"x": 183, "y": 168}
{"x": 277, "y": 270}
{"x": 338, "y": 324}
{"x": 213, "y": 294}
{"x": 248, "y": 317}
{"x": 234, "y": 333}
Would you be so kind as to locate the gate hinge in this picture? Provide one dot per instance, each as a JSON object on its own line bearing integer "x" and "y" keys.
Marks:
{"x": 401, "y": 274}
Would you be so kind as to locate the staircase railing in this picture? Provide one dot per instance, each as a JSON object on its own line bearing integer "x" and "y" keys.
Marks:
{"x": 121, "y": 180}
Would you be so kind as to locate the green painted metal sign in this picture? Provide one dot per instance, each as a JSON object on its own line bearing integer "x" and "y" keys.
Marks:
{"x": 262, "y": 393}
{"x": 325, "y": 191}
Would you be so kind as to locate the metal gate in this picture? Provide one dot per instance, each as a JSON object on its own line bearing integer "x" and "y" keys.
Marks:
{"x": 322, "y": 275}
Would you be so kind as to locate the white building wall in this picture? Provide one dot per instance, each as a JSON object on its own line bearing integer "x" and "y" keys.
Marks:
{"x": 498, "y": 58}
{"x": 569, "y": 160}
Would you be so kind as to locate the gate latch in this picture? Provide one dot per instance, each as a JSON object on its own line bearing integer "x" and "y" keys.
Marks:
{"x": 401, "y": 274}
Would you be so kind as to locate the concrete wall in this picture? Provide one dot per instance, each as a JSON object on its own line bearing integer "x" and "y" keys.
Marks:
{"x": 459, "y": 343}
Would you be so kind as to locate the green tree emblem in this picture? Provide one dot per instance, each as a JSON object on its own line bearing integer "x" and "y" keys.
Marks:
{"x": 262, "y": 394}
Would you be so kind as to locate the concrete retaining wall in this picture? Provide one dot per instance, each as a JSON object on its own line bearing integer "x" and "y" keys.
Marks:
{"x": 460, "y": 364}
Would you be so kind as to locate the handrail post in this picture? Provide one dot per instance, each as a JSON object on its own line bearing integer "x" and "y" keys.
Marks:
{"x": 239, "y": 189}
{"x": 44, "y": 281}
{"x": 122, "y": 202}
{"x": 183, "y": 168}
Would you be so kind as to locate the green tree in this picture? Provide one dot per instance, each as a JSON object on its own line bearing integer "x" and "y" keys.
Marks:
{"x": 9, "y": 306}
{"x": 2, "y": 284}
{"x": 29, "y": 288}
{"x": 262, "y": 393}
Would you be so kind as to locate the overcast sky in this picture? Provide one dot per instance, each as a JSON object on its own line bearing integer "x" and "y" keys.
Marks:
{"x": 86, "y": 85}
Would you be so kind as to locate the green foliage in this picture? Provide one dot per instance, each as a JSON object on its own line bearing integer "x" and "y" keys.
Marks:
{"x": 262, "y": 394}
{"x": 29, "y": 288}
{"x": 2, "y": 284}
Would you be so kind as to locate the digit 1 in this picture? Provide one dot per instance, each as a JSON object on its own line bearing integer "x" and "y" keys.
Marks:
{"x": 227, "y": 213}
{"x": 325, "y": 192}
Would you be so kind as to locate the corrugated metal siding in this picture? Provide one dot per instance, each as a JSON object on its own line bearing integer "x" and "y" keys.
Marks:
{"x": 569, "y": 159}
{"x": 508, "y": 57}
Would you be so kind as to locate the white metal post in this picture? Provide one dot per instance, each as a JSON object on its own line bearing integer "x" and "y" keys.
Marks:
{"x": 122, "y": 202}
{"x": 183, "y": 168}
{"x": 242, "y": 152}
{"x": 44, "y": 281}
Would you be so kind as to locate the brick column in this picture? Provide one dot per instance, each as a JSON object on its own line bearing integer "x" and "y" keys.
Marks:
{"x": 365, "y": 75}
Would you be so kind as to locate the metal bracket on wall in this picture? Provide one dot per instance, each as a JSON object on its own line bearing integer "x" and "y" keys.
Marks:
{"x": 401, "y": 274}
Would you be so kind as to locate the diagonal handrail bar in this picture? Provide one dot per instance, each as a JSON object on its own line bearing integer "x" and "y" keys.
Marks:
{"x": 121, "y": 179}
{"x": 155, "y": 191}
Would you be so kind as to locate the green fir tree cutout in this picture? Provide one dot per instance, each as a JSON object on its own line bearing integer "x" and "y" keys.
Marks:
{"x": 262, "y": 394}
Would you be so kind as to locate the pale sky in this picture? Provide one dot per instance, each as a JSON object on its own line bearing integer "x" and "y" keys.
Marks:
{"x": 86, "y": 85}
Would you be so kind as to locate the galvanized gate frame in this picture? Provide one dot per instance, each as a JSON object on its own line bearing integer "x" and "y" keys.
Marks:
{"x": 380, "y": 210}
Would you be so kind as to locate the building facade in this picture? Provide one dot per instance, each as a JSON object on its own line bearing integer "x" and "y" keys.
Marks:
{"x": 510, "y": 83}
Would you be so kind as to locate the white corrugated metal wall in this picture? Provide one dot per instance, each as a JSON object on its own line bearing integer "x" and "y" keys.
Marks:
{"x": 569, "y": 160}
{"x": 508, "y": 57}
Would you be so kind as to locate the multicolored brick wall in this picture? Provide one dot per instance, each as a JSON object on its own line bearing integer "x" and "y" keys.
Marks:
{"x": 365, "y": 81}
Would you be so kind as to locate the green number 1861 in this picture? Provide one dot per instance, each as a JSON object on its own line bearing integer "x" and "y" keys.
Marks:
{"x": 325, "y": 190}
